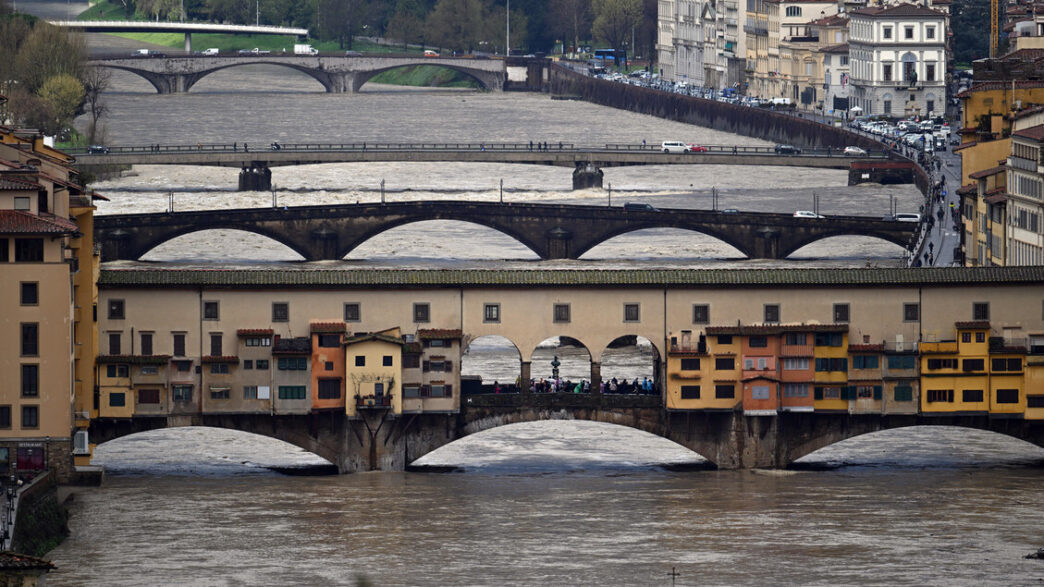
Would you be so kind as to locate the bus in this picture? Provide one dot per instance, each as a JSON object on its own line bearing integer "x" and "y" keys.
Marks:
{"x": 604, "y": 56}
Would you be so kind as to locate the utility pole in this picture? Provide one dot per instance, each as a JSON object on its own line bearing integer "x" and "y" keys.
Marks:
{"x": 257, "y": 13}
{"x": 507, "y": 35}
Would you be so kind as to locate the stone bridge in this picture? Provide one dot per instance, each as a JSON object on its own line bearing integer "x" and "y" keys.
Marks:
{"x": 729, "y": 440}
{"x": 551, "y": 231}
{"x": 337, "y": 73}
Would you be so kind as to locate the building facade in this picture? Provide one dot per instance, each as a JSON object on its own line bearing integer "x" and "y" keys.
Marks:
{"x": 898, "y": 60}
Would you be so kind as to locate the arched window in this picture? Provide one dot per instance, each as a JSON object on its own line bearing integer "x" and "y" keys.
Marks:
{"x": 793, "y": 11}
{"x": 910, "y": 68}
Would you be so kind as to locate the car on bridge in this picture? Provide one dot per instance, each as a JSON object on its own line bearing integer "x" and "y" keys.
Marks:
{"x": 908, "y": 217}
{"x": 640, "y": 207}
{"x": 787, "y": 150}
{"x": 693, "y": 148}
{"x": 674, "y": 147}
{"x": 807, "y": 214}
{"x": 97, "y": 149}
{"x": 855, "y": 152}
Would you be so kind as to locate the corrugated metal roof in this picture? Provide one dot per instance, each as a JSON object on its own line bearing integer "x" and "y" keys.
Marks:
{"x": 283, "y": 278}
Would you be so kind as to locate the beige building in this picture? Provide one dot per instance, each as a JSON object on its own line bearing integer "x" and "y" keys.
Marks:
{"x": 47, "y": 336}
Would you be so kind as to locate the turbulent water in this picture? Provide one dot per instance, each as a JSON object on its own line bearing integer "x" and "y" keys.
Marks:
{"x": 551, "y": 503}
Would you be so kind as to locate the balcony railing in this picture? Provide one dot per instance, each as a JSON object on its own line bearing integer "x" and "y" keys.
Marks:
{"x": 373, "y": 402}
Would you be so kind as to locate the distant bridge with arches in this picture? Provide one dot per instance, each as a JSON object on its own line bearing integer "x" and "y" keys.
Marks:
{"x": 337, "y": 73}
{"x": 551, "y": 231}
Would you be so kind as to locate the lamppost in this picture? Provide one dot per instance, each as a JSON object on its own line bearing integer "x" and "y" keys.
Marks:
{"x": 555, "y": 363}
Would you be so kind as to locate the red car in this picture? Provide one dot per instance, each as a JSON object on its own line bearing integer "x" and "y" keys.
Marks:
{"x": 697, "y": 149}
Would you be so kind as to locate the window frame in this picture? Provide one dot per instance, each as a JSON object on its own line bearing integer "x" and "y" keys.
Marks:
{"x": 24, "y": 288}
{"x": 421, "y": 312}
{"x": 117, "y": 309}
{"x": 842, "y": 313}
{"x": 29, "y": 384}
{"x": 35, "y": 419}
{"x": 635, "y": 308}
{"x": 775, "y": 309}
{"x": 981, "y": 309}
{"x": 353, "y": 312}
{"x": 211, "y": 310}
{"x": 911, "y": 312}
{"x": 561, "y": 313}
{"x": 491, "y": 313}
{"x": 29, "y": 343}
{"x": 280, "y": 311}
{"x": 701, "y": 313}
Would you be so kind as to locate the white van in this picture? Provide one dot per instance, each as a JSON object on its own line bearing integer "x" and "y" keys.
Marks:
{"x": 674, "y": 147}
{"x": 211, "y": 51}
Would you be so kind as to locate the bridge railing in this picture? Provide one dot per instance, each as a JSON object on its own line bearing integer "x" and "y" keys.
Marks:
{"x": 321, "y": 147}
{"x": 742, "y": 150}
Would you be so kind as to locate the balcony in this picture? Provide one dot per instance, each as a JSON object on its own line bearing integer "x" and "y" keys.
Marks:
{"x": 370, "y": 402}
{"x": 796, "y": 350}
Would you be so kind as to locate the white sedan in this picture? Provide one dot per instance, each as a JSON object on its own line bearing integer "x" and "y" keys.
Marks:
{"x": 855, "y": 152}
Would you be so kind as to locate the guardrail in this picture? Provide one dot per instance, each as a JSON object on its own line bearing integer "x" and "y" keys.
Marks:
{"x": 498, "y": 147}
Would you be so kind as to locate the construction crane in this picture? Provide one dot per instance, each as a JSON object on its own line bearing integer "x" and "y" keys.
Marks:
{"x": 994, "y": 27}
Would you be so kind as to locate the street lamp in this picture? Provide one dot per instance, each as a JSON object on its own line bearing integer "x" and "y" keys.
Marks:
{"x": 555, "y": 363}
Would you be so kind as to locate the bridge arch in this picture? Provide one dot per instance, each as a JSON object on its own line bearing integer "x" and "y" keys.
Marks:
{"x": 194, "y": 78}
{"x": 625, "y": 241}
{"x": 555, "y": 440}
{"x": 719, "y": 233}
{"x": 575, "y": 360}
{"x": 492, "y": 355}
{"x": 631, "y": 357}
{"x": 480, "y": 77}
{"x": 166, "y": 237}
{"x": 917, "y": 442}
{"x": 352, "y": 241}
{"x": 797, "y": 242}
{"x": 224, "y": 439}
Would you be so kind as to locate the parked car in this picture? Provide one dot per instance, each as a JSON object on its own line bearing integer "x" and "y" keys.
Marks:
{"x": 908, "y": 217}
{"x": 855, "y": 152}
{"x": 99, "y": 149}
{"x": 430, "y": 53}
{"x": 640, "y": 207}
{"x": 787, "y": 150}
{"x": 211, "y": 51}
{"x": 697, "y": 148}
{"x": 674, "y": 147}
{"x": 730, "y": 211}
{"x": 807, "y": 214}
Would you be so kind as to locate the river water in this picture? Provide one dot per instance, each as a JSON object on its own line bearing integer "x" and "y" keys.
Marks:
{"x": 552, "y": 503}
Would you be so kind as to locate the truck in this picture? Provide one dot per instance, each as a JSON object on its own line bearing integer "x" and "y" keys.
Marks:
{"x": 305, "y": 50}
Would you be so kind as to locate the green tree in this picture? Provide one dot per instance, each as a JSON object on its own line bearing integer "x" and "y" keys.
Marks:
{"x": 571, "y": 20}
{"x": 48, "y": 52}
{"x": 457, "y": 24}
{"x": 63, "y": 94}
{"x": 407, "y": 24}
{"x": 615, "y": 20}
{"x": 95, "y": 81}
{"x": 970, "y": 24}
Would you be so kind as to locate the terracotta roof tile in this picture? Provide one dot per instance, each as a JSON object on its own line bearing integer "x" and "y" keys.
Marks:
{"x": 151, "y": 277}
{"x": 22, "y": 222}
{"x": 13, "y": 560}
{"x": 1035, "y": 133}
{"x": 8, "y": 182}
{"x": 973, "y": 325}
{"x": 865, "y": 348}
{"x": 988, "y": 172}
{"x": 328, "y": 327}
{"x": 209, "y": 359}
{"x": 254, "y": 332}
{"x": 430, "y": 333}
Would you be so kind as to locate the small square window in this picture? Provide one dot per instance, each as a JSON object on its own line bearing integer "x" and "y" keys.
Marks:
{"x": 386, "y": 361}
{"x": 30, "y": 293}
{"x": 911, "y": 312}
{"x": 980, "y": 337}
{"x": 421, "y": 312}
{"x": 360, "y": 360}
{"x": 561, "y": 313}
{"x": 351, "y": 312}
{"x": 328, "y": 365}
{"x": 981, "y": 311}
{"x": 116, "y": 310}
{"x": 248, "y": 364}
{"x": 632, "y": 313}
{"x": 771, "y": 313}
{"x": 491, "y": 313}
{"x": 908, "y": 32}
{"x": 886, "y": 33}
{"x": 840, "y": 313}
{"x": 280, "y": 311}
{"x": 701, "y": 314}
{"x": 210, "y": 311}
{"x": 22, "y": 203}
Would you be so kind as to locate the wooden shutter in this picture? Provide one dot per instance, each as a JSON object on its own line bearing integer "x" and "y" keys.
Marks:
{"x": 878, "y": 392}
{"x": 427, "y": 366}
{"x": 448, "y": 390}
{"x": 449, "y": 366}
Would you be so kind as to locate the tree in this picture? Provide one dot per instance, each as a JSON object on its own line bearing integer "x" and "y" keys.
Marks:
{"x": 571, "y": 20}
{"x": 63, "y": 94}
{"x": 456, "y": 24}
{"x": 95, "y": 81}
{"x": 971, "y": 30}
{"x": 407, "y": 23}
{"x": 496, "y": 25}
{"x": 48, "y": 52}
{"x": 615, "y": 20}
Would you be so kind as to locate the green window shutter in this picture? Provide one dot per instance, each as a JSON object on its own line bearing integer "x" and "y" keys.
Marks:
{"x": 817, "y": 393}
{"x": 878, "y": 392}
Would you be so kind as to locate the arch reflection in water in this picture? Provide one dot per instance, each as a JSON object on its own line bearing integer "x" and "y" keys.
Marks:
{"x": 199, "y": 450}
{"x": 560, "y": 445}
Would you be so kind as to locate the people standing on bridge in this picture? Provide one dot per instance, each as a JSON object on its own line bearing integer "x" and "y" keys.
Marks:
{"x": 235, "y": 147}
{"x": 246, "y": 149}
{"x": 530, "y": 145}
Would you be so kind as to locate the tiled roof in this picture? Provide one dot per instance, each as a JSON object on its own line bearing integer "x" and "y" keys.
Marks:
{"x": 764, "y": 376}
{"x": 741, "y": 330}
{"x": 865, "y": 348}
{"x": 328, "y": 327}
{"x": 1035, "y": 133}
{"x": 1024, "y": 55}
{"x": 17, "y": 183}
{"x": 13, "y": 561}
{"x": 254, "y": 332}
{"x": 968, "y": 190}
{"x": 974, "y": 325}
{"x": 430, "y": 333}
{"x": 1001, "y": 85}
{"x": 842, "y": 48}
{"x": 988, "y": 172}
{"x": 372, "y": 336}
{"x": 150, "y": 277}
{"x": 22, "y": 222}
{"x": 996, "y": 198}
{"x": 832, "y": 20}
{"x": 899, "y": 10}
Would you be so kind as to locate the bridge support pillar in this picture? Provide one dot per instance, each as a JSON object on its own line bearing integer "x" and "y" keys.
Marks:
{"x": 596, "y": 376}
{"x": 525, "y": 374}
{"x": 766, "y": 244}
{"x": 188, "y": 43}
{"x": 256, "y": 178}
{"x": 587, "y": 175}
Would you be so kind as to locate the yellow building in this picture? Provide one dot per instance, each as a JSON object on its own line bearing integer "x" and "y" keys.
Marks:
{"x": 47, "y": 275}
{"x": 690, "y": 375}
{"x": 373, "y": 372}
{"x": 954, "y": 374}
{"x": 830, "y": 354}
